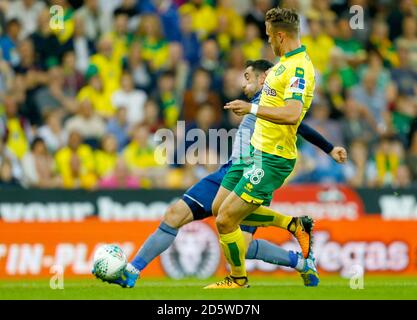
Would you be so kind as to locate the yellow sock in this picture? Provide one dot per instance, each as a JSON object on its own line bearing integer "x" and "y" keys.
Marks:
{"x": 263, "y": 217}
{"x": 234, "y": 248}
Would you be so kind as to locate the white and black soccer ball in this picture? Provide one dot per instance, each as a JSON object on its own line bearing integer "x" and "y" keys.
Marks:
{"x": 109, "y": 262}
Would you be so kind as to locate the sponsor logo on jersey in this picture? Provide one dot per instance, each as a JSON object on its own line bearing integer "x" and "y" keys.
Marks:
{"x": 269, "y": 91}
{"x": 297, "y": 85}
{"x": 248, "y": 187}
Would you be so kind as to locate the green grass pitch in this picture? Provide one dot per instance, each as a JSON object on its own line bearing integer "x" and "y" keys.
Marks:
{"x": 269, "y": 288}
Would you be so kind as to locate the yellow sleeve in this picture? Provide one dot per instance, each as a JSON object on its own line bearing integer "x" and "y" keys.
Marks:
{"x": 211, "y": 19}
{"x": 129, "y": 157}
{"x": 88, "y": 181}
{"x": 186, "y": 8}
{"x": 295, "y": 84}
{"x": 85, "y": 93}
{"x": 88, "y": 178}
{"x": 99, "y": 161}
{"x": 159, "y": 57}
{"x": 87, "y": 158}
{"x": 63, "y": 168}
{"x": 238, "y": 27}
{"x": 97, "y": 61}
{"x": 66, "y": 32}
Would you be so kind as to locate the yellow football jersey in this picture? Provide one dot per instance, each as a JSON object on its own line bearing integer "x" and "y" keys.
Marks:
{"x": 291, "y": 78}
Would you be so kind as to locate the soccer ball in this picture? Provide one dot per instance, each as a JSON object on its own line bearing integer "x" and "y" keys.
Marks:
{"x": 109, "y": 262}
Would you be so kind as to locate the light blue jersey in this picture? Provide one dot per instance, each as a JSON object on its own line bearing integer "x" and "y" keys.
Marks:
{"x": 241, "y": 145}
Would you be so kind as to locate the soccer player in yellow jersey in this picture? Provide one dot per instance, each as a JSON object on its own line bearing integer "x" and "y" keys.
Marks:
{"x": 286, "y": 96}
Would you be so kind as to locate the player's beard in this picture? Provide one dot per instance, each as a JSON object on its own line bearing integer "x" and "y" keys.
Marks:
{"x": 277, "y": 50}
{"x": 250, "y": 90}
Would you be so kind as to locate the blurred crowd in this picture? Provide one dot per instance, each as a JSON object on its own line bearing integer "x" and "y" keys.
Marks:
{"x": 81, "y": 98}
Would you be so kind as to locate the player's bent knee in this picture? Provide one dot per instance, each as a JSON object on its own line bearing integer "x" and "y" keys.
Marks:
{"x": 224, "y": 224}
{"x": 221, "y": 223}
{"x": 170, "y": 217}
{"x": 176, "y": 215}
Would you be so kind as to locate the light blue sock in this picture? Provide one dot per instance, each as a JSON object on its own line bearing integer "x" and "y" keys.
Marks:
{"x": 268, "y": 252}
{"x": 157, "y": 243}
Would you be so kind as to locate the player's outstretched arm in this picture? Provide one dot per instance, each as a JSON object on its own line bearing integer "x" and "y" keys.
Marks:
{"x": 339, "y": 154}
{"x": 288, "y": 114}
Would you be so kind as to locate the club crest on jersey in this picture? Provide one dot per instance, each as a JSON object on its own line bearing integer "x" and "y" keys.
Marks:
{"x": 297, "y": 85}
{"x": 280, "y": 70}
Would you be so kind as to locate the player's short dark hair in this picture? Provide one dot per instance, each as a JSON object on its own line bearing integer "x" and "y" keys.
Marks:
{"x": 284, "y": 19}
{"x": 260, "y": 65}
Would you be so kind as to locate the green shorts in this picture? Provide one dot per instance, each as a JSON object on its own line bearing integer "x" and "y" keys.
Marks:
{"x": 255, "y": 179}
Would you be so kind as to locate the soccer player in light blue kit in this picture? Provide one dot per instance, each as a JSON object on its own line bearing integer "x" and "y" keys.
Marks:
{"x": 197, "y": 201}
